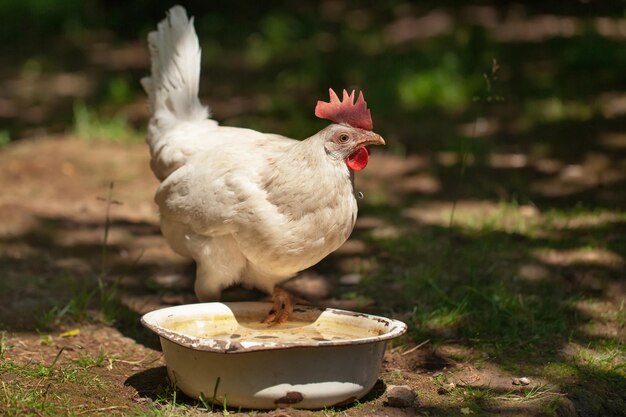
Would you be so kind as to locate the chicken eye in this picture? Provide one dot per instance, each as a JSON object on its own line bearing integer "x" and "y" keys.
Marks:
{"x": 343, "y": 138}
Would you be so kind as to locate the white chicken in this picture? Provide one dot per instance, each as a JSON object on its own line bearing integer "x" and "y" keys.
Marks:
{"x": 249, "y": 207}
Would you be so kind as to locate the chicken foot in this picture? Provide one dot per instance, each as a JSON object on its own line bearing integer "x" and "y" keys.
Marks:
{"x": 281, "y": 309}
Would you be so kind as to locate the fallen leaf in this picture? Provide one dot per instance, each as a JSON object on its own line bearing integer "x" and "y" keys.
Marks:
{"x": 466, "y": 411}
{"x": 71, "y": 333}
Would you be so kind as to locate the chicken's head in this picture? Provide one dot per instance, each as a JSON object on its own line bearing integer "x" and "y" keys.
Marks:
{"x": 347, "y": 143}
{"x": 347, "y": 139}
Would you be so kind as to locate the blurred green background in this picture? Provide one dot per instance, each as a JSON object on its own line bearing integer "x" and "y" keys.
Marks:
{"x": 533, "y": 79}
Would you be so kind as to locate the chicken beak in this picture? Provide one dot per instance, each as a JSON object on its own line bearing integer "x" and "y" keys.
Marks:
{"x": 371, "y": 138}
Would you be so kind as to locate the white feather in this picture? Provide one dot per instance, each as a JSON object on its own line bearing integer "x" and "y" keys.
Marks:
{"x": 173, "y": 91}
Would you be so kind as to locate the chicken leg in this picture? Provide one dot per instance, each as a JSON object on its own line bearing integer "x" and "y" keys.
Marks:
{"x": 281, "y": 309}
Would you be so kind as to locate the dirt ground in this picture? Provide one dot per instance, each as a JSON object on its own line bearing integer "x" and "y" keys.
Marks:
{"x": 53, "y": 212}
{"x": 493, "y": 223}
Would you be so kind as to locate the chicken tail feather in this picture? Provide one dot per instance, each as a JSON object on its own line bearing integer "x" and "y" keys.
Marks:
{"x": 173, "y": 84}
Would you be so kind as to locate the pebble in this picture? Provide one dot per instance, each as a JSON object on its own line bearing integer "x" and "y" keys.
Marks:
{"x": 400, "y": 396}
{"x": 521, "y": 381}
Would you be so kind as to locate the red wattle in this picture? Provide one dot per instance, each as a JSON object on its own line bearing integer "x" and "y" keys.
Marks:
{"x": 358, "y": 160}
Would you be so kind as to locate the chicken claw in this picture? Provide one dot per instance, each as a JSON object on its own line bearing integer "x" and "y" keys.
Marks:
{"x": 281, "y": 309}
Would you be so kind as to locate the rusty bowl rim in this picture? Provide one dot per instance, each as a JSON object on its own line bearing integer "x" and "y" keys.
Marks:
{"x": 396, "y": 328}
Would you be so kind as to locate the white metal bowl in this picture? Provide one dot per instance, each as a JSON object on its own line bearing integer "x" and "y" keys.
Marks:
{"x": 318, "y": 358}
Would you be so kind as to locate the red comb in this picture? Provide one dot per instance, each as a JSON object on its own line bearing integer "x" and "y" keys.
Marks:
{"x": 345, "y": 111}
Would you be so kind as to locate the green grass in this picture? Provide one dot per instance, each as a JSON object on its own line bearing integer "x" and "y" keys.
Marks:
{"x": 17, "y": 400}
{"x": 479, "y": 396}
{"x": 81, "y": 306}
{"x": 90, "y": 361}
{"x": 26, "y": 391}
{"x": 5, "y": 138}
{"x": 76, "y": 308}
{"x": 90, "y": 125}
{"x": 96, "y": 300}
{"x": 4, "y": 345}
{"x": 533, "y": 393}
{"x": 464, "y": 284}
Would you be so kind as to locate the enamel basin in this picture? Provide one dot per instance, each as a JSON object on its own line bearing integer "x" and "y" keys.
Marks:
{"x": 318, "y": 358}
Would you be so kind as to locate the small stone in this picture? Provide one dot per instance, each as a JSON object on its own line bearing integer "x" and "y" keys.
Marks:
{"x": 350, "y": 279}
{"x": 400, "y": 396}
{"x": 521, "y": 381}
